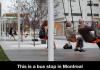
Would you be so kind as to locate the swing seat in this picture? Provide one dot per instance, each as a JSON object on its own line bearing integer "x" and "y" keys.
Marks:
{"x": 73, "y": 38}
{"x": 96, "y": 40}
{"x": 86, "y": 35}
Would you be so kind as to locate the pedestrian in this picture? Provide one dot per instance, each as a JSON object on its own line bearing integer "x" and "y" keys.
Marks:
{"x": 43, "y": 34}
{"x": 11, "y": 33}
{"x": 79, "y": 42}
{"x": 43, "y": 31}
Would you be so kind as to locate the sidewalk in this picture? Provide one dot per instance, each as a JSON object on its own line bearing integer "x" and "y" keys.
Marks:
{"x": 28, "y": 52}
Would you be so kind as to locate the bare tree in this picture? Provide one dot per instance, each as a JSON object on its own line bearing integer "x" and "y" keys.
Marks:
{"x": 39, "y": 13}
{"x": 37, "y": 10}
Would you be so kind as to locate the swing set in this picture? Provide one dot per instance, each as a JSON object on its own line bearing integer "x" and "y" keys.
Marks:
{"x": 96, "y": 26}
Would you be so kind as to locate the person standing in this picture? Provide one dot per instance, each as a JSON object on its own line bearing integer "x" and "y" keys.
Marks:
{"x": 43, "y": 34}
{"x": 11, "y": 33}
{"x": 79, "y": 42}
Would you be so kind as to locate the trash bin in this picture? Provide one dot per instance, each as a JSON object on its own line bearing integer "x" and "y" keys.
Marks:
{"x": 43, "y": 41}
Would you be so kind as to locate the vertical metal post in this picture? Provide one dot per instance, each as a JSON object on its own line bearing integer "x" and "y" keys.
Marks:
{"x": 50, "y": 30}
{"x": 80, "y": 9}
{"x": 4, "y": 29}
{"x": 30, "y": 19}
{"x": 64, "y": 9}
{"x": 71, "y": 13}
{"x": 19, "y": 36}
{"x": 34, "y": 35}
{"x": 0, "y": 27}
{"x": 64, "y": 25}
{"x": 91, "y": 11}
{"x": 30, "y": 30}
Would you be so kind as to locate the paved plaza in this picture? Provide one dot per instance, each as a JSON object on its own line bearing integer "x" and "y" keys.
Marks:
{"x": 60, "y": 55}
{"x": 28, "y": 52}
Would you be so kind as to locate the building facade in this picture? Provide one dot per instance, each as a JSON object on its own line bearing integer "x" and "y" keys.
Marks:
{"x": 73, "y": 10}
{"x": 0, "y": 9}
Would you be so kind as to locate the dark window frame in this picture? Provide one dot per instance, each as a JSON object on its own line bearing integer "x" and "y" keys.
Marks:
{"x": 95, "y": 4}
{"x": 73, "y": 0}
{"x": 66, "y": 14}
{"x": 89, "y": 14}
{"x": 76, "y": 14}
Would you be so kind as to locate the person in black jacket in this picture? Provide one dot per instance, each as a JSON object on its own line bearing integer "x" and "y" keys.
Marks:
{"x": 84, "y": 31}
{"x": 82, "y": 34}
{"x": 43, "y": 33}
{"x": 11, "y": 33}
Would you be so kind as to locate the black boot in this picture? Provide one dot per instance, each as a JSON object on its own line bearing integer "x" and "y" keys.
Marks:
{"x": 82, "y": 50}
{"x": 76, "y": 49}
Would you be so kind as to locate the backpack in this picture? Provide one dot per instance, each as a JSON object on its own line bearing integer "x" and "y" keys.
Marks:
{"x": 42, "y": 33}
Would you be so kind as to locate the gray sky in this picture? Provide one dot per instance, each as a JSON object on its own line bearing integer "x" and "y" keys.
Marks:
{"x": 5, "y": 5}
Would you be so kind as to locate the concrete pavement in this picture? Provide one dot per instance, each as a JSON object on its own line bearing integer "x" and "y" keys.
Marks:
{"x": 91, "y": 54}
{"x": 28, "y": 52}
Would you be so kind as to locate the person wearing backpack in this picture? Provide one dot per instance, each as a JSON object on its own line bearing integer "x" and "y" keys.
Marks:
{"x": 11, "y": 32}
{"x": 43, "y": 33}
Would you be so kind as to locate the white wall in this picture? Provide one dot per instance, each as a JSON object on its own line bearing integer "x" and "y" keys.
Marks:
{"x": 76, "y": 9}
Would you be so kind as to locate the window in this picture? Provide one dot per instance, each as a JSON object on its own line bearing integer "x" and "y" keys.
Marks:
{"x": 89, "y": 14}
{"x": 76, "y": 14}
{"x": 66, "y": 14}
{"x": 96, "y": 14}
{"x": 96, "y": 4}
{"x": 55, "y": 13}
{"x": 73, "y": 0}
{"x": 89, "y": 3}
{"x": 56, "y": 4}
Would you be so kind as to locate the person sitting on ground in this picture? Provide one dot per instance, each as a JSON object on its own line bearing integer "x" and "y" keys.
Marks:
{"x": 79, "y": 42}
{"x": 85, "y": 31}
{"x": 69, "y": 32}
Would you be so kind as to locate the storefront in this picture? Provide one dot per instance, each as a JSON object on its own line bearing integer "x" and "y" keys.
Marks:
{"x": 59, "y": 28}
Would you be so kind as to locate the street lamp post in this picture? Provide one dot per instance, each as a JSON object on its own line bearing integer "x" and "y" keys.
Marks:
{"x": 50, "y": 30}
{"x": 91, "y": 11}
{"x": 80, "y": 9}
{"x": 19, "y": 36}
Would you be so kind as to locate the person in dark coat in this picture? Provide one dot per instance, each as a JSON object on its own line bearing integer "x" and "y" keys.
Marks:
{"x": 43, "y": 34}
{"x": 82, "y": 33}
{"x": 11, "y": 33}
